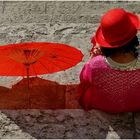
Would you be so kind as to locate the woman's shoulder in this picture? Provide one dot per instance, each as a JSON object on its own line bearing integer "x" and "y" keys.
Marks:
{"x": 138, "y": 59}
{"x": 97, "y": 61}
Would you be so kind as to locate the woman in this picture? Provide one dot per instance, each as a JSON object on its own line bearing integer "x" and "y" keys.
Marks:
{"x": 110, "y": 80}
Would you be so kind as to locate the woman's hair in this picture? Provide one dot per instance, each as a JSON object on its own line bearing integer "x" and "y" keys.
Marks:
{"x": 129, "y": 47}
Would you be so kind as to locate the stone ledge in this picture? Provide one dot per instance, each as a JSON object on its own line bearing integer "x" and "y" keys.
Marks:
{"x": 65, "y": 124}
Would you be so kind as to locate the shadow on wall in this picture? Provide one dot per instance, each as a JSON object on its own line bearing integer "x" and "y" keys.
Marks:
{"x": 43, "y": 94}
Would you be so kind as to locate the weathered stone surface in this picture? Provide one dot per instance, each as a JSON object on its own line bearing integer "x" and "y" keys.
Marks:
{"x": 9, "y": 129}
{"x": 64, "y": 124}
{"x": 59, "y": 12}
{"x": 136, "y": 117}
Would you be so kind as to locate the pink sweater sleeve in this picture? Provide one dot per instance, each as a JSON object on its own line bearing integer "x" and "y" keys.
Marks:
{"x": 85, "y": 73}
{"x": 84, "y": 96}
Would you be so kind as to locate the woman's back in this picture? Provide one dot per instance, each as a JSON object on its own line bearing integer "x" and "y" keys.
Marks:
{"x": 111, "y": 89}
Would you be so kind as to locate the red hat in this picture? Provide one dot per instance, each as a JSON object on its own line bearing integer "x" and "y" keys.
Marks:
{"x": 117, "y": 28}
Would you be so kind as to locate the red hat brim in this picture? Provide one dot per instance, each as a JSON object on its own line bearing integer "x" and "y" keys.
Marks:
{"x": 100, "y": 38}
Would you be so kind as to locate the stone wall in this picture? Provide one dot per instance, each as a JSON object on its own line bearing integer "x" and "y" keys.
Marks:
{"x": 59, "y": 12}
{"x": 67, "y": 22}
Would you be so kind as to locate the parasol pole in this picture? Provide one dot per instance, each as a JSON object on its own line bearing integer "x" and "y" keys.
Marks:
{"x": 28, "y": 82}
{"x": 28, "y": 79}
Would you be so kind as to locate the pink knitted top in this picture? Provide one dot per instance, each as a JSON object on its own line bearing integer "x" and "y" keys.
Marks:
{"x": 108, "y": 89}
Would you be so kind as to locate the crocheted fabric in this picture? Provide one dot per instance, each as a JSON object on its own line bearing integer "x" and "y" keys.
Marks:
{"x": 113, "y": 90}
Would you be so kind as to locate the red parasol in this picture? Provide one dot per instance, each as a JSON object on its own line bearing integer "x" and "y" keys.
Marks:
{"x": 35, "y": 58}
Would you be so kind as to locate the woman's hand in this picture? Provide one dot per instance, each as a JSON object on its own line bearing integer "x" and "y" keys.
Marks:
{"x": 96, "y": 50}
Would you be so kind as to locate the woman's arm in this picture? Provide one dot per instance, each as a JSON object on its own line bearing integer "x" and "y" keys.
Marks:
{"x": 84, "y": 97}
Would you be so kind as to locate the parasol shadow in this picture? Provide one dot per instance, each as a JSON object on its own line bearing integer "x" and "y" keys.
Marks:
{"x": 42, "y": 94}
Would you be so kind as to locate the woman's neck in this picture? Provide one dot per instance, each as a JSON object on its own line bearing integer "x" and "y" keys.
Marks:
{"x": 123, "y": 58}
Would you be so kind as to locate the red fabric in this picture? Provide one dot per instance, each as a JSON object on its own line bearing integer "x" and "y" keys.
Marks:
{"x": 109, "y": 89}
{"x": 41, "y": 57}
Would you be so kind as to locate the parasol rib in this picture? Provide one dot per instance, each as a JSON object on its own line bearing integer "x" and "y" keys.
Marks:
{"x": 54, "y": 63}
{"x": 44, "y": 66}
{"x": 57, "y": 60}
{"x": 34, "y": 69}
